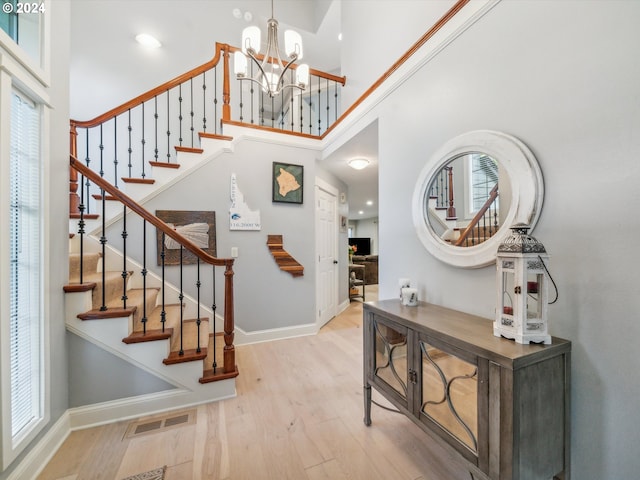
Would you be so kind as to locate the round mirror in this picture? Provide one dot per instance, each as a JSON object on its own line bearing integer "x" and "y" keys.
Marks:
{"x": 471, "y": 191}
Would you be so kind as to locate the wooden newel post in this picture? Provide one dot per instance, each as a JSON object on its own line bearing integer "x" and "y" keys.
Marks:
{"x": 229, "y": 352}
{"x": 74, "y": 199}
{"x": 226, "y": 86}
{"x": 451, "y": 211}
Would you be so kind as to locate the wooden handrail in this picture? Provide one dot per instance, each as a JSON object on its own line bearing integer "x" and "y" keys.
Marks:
{"x": 149, "y": 217}
{"x": 476, "y": 219}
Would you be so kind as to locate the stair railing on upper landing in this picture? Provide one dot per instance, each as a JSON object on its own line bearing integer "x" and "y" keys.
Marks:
{"x": 150, "y": 129}
{"x": 214, "y": 372}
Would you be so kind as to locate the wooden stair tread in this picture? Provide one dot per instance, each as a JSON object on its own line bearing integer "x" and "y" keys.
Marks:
{"x": 149, "y": 336}
{"x": 97, "y": 314}
{"x": 165, "y": 165}
{"x": 189, "y": 355}
{"x": 79, "y": 287}
{"x": 178, "y": 148}
{"x": 98, "y": 196}
{"x": 214, "y": 136}
{"x": 146, "y": 181}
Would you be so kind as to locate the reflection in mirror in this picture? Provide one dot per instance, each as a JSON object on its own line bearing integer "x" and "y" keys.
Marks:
{"x": 450, "y": 394}
{"x": 464, "y": 175}
{"x": 462, "y": 202}
{"x": 391, "y": 357}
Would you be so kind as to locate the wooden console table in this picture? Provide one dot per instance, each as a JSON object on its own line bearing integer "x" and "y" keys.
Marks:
{"x": 501, "y": 407}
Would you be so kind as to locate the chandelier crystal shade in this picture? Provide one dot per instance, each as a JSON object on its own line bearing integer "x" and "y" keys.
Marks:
{"x": 271, "y": 68}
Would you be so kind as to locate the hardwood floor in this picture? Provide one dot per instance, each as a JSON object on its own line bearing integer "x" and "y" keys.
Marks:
{"x": 298, "y": 415}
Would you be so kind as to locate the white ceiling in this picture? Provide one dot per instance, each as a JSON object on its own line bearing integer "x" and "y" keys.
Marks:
{"x": 105, "y": 56}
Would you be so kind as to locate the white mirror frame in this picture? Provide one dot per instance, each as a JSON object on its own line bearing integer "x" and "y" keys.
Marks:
{"x": 527, "y": 188}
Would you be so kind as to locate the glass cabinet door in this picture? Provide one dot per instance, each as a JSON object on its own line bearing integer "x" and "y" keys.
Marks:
{"x": 390, "y": 367}
{"x": 450, "y": 394}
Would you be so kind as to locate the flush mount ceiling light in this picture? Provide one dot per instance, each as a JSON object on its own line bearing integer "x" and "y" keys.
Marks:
{"x": 271, "y": 68}
{"x": 148, "y": 41}
{"x": 358, "y": 163}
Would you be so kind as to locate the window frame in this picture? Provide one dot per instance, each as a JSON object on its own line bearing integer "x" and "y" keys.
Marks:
{"x": 18, "y": 72}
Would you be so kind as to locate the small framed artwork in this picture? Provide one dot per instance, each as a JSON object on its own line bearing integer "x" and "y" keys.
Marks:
{"x": 287, "y": 182}
{"x": 197, "y": 226}
{"x": 343, "y": 223}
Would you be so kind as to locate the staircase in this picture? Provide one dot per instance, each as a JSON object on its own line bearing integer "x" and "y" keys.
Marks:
{"x": 121, "y": 306}
{"x": 121, "y": 160}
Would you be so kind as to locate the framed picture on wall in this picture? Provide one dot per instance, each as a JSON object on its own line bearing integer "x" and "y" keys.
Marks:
{"x": 343, "y": 223}
{"x": 197, "y": 226}
{"x": 287, "y": 182}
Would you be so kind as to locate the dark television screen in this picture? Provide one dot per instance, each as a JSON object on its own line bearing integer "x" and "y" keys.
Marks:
{"x": 363, "y": 245}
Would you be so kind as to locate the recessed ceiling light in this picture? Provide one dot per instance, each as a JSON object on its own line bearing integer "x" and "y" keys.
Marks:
{"x": 340, "y": 36}
{"x": 148, "y": 41}
{"x": 369, "y": 202}
{"x": 358, "y": 163}
{"x": 361, "y": 212}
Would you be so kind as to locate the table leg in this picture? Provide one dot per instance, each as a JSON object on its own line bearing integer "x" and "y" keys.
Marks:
{"x": 367, "y": 404}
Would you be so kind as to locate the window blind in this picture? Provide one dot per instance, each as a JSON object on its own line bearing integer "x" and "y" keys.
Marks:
{"x": 25, "y": 260}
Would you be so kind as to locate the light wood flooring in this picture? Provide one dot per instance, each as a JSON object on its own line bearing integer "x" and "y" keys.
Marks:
{"x": 298, "y": 415}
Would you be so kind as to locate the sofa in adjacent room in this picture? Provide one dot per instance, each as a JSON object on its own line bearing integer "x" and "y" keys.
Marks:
{"x": 370, "y": 263}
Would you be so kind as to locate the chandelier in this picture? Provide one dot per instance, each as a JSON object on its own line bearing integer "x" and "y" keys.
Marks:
{"x": 271, "y": 69}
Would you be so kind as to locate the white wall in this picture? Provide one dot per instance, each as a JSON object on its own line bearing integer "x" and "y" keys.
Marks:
{"x": 377, "y": 33}
{"x": 563, "y": 77}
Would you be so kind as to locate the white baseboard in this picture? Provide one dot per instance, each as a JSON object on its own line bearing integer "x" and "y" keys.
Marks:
{"x": 38, "y": 457}
{"x": 244, "y": 338}
{"x": 108, "y": 412}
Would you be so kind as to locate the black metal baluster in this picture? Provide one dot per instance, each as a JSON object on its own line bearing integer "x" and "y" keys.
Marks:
{"x": 143, "y": 141}
{"x": 192, "y": 114}
{"x": 124, "y": 257}
{"x": 215, "y": 99}
{"x": 181, "y": 297}
{"x": 87, "y": 161}
{"x": 155, "y": 116}
{"x": 327, "y": 125}
{"x": 335, "y": 96}
{"x": 273, "y": 119}
{"x": 103, "y": 242}
{"x": 310, "y": 108}
{"x": 163, "y": 313}
{"x": 130, "y": 150}
{"x": 180, "y": 113}
{"x": 261, "y": 108}
{"x": 291, "y": 111}
{"x": 101, "y": 154}
{"x": 319, "y": 105}
{"x": 252, "y": 95}
{"x": 115, "y": 152}
{"x": 301, "y": 114}
{"x": 81, "y": 209}
{"x": 241, "y": 104}
{"x": 204, "y": 101}
{"x": 144, "y": 277}
{"x": 213, "y": 308}
{"x": 198, "y": 321}
{"x": 168, "y": 131}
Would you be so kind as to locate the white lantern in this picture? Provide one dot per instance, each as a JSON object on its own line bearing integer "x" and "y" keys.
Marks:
{"x": 522, "y": 288}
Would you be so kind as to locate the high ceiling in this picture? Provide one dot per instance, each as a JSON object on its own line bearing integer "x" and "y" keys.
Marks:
{"x": 105, "y": 56}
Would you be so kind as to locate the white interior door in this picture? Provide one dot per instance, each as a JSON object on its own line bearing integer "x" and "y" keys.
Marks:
{"x": 327, "y": 252}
